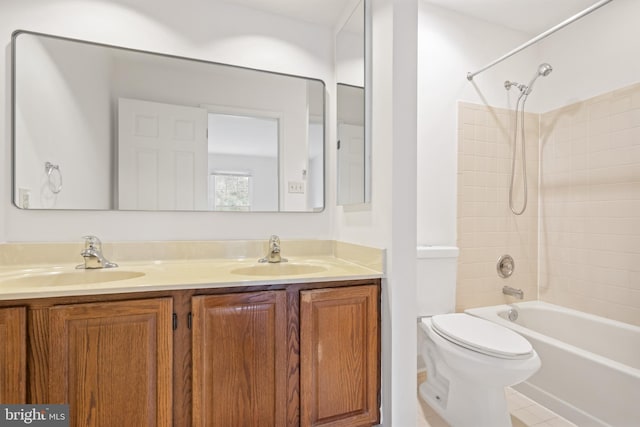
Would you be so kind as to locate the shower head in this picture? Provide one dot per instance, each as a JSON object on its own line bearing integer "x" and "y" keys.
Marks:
{"x": 543, "y": 70}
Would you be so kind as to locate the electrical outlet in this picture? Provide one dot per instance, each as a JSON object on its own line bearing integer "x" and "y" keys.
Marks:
{"x": 296, "y": 187}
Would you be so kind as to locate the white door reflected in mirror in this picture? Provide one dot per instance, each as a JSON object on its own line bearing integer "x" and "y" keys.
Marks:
{"x": 350, "y": 164}
{"x": 162, "y": 156}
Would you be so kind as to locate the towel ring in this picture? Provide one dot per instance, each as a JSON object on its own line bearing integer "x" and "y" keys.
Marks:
{"x": 53, "y": 186}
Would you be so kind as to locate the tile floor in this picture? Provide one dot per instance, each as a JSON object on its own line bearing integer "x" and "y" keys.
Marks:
{"x": 524, "y": 413}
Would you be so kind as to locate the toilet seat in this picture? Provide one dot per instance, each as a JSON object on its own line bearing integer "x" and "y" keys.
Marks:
{"x": 481, "y": 336}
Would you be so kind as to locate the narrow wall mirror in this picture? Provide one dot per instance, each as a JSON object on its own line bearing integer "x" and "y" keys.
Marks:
{"x": 103, "y": 127}
{"x": 354, "y": 145}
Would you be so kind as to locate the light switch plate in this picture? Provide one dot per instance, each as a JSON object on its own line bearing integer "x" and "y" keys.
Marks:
{"x": 296, "y": 187}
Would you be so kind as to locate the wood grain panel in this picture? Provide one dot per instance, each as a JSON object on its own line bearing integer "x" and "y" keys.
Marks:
{"x": 339, "y": 356}
{"x": 112, "y": 362}
{"x": 293, "y": 357}
{"x": 38, "y": 355}
{"x": 44, "y": 357}
{"x": 239, "y": 365}
{"x": 13, "y": 355}
{"x": 182, "y": 386}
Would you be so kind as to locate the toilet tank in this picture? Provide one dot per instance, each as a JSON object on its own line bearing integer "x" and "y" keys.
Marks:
{"x": 436, "y": 274}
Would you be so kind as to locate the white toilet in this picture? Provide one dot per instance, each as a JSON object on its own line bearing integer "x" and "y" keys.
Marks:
{"x": 469, "y": 361}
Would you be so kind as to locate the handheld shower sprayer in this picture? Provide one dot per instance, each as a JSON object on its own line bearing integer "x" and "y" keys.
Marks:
{"x": 543, "y": 70}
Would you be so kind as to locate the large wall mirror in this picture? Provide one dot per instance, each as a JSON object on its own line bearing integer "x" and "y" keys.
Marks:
{"x": 354, "y": 144}
{"x": 103, "y": 127}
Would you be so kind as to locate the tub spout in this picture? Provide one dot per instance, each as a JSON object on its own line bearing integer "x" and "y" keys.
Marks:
{"x": 508, "y": 290}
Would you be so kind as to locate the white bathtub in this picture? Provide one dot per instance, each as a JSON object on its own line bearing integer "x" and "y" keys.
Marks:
{"x": 590, "y": 365}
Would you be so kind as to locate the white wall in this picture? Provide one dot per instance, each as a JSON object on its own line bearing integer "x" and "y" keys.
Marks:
{"x": 597, "y": 54}
{"x": 390, "y": 220}
{"x": 449, "y": 46}
{"x": 349, "y": 56}
{"x": 401, "y": 154}
{"x": 349, "y": 44}
{"x": 212, "y": 31}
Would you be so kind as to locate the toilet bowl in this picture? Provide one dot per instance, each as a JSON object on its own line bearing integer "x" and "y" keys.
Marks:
{"x": 468, "y": 361}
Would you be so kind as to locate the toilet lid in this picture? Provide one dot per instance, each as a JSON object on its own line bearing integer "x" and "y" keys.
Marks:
{"x": 481, "y": 335}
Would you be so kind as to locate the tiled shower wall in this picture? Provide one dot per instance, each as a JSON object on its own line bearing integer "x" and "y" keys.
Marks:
{"x": 590, "y": 205}
{"x": 588, "y": 225}
{"x": 486, "y": 227}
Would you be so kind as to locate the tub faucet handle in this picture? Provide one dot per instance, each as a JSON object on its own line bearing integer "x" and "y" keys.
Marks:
{"x": 505, "y": 266}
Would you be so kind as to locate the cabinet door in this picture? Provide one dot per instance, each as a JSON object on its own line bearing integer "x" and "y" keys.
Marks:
{"x": 339, "y": 356}
{"x": 13, "y": 355}
{"x": 239, "y": 359}
{"x": 112, "y": 362}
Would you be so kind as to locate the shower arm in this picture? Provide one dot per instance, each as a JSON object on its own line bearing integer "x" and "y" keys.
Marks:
{"x": 541, "y": 36}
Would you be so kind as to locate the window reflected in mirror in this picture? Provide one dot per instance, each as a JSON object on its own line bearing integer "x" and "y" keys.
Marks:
{"x": 230, "y": 192}
{"x": 243, "y": 155}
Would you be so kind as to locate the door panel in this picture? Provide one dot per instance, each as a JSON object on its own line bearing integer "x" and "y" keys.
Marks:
{"x": 239, "y": 360}
{"x": 339, "y": 356}
{"x": 351, "y": 169}
{"x": 13, "y": 355}
{"x": 112, "y": 362}
{"x": 162, "y": 156}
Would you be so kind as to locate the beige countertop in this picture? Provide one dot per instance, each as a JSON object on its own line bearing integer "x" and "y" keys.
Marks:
{"x": 41, "y": 279}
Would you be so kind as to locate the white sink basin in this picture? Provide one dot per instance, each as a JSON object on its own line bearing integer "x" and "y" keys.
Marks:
{"x": 78, "y": 277}
{"x": 279, "y": 269}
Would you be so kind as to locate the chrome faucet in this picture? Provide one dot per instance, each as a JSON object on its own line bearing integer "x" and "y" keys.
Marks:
{"x": 508, "y": 290}
{"x": 92, "y": 254}
{"x": 274, "y": 251}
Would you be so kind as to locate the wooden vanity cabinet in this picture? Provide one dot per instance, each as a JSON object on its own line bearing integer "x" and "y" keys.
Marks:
{"x": 339, "y": 357}
{"x": 112, "y": 362}
{"x": 239, "y": 359}
{"x": 13, "y": 355}
{"x": 295, "y": 357}
{"x": 268, "y": 355}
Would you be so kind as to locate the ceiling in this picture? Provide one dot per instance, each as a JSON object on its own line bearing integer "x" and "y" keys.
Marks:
{"x": 322, "y": 12}
{"x": 530, "y": 16}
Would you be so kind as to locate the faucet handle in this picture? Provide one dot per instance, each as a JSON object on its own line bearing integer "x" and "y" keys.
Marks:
{"x": 92, "y": 242}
